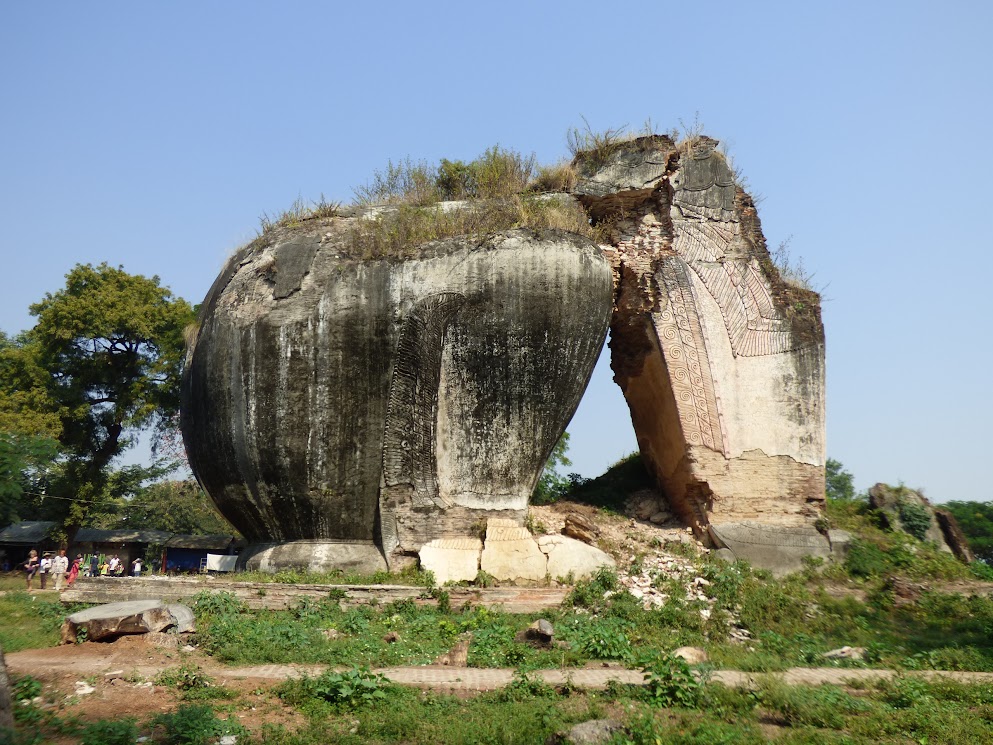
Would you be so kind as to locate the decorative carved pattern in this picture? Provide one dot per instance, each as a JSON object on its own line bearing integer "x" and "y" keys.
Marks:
{"x": 720, "y": 257}
{"x": 681, "y": 337}
{"x": 704, "y": 183}
{"x": 412, "y": 412}
{"x": 712, "y": 245}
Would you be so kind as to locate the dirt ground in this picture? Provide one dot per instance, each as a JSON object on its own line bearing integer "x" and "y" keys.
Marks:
{"x": 122, "y": 674}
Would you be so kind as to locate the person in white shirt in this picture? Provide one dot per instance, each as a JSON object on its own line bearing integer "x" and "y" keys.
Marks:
{"x": 136, "y": 568}
{"x": 60, "y": 565}
{"x": 44, "y": 567}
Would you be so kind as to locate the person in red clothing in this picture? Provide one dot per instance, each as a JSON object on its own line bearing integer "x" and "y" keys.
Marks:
{"x": 74, "y": 570}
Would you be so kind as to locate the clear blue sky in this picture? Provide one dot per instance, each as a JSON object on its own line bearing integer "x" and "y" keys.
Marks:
{"x": 153, "y": 135}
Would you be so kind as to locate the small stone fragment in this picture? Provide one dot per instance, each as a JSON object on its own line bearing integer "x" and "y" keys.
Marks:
{"x": 845, "y": 653}
{"x": 692, "y": 655}
{"x": 538, "y": 634}
{"x": 593, "y": 732}
{"x": 457, "y": 656}
{"x": 581, "y": 528}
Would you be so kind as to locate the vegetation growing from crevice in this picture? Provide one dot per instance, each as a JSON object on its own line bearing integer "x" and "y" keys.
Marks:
{"x": 609, "y": 491}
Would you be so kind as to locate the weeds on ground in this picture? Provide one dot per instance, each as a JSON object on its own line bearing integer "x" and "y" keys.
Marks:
{"x": 30, "y": 621}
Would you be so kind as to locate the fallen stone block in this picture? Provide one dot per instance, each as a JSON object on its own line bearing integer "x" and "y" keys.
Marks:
{"x": 778, "y": 548}
{"x": 452, "y": 559}
{"x": 567, "y": 556}
{"x": 511, "y": 554}
{"x": 115, "y": 619}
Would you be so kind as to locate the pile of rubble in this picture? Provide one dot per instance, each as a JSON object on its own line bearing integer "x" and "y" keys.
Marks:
{"x": 646, "y": 579}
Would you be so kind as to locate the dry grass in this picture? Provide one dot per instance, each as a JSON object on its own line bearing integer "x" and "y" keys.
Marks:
{"x": 298, "y": 212}
{"x": 401, "y": 232}
{"x": 495, "y": 174}
{"x": 560, "y": 177}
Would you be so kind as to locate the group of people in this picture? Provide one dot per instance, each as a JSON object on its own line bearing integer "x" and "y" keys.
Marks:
{"x": 64, "y": 571}
{"x": 57, "y": 566}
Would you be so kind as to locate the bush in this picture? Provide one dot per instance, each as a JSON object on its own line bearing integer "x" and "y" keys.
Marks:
{"x": 350, "y": 689}
{"x": 195, "y": 724}
{"x": 670, "y": 682}
{"x": 915, "y": 519}
{"x": 110, "y": 732}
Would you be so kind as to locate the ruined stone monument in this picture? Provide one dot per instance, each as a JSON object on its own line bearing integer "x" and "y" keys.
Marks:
{"x": 340, "y": 410}
{"x": 344, "y": 409}
{"x": 720, "y": 359}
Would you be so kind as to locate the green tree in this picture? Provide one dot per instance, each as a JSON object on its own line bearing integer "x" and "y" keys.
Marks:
{"x": 112, "y": 344}
{"x": 839, "y": 483}
{"x": 552, "y": 484}
{"x": 175, "y": 507}
{"x": 29, "y": 428}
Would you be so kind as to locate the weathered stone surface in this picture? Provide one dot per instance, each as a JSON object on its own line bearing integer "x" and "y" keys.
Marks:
{"x": 452, "y": 559}
{"x": 185, "y": 622}
{"x": 115, "y": 619}
{"x": 841, "y": 542}
{"x": 593, "y": 732}
{"x": 387, "y": 402}
{"x": 721, "y": 360}
{"x": 510, "y": 553}
{"x": 581, "y": 528}
{"x": 942, "y": 529}
{"x": 569, "y": 557}
{"x": 275, "y": 595}
{"x": 780, "y": 549}
{"x": 314, "y": 556}
{"x": 954, "y": 536}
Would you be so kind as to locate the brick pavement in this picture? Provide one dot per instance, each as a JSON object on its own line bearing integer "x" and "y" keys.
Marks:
{"x": 445, "y": 678}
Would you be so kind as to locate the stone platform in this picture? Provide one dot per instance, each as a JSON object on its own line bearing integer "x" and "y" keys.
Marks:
{"x": 278, "y": 596}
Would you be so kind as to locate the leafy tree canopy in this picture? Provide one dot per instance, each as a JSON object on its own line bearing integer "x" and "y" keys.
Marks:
{"x": 839, "y": 483}
{"x": 111, "y": 347}
{"x": 551, "y": 484}
{"x": 172, "y": 506}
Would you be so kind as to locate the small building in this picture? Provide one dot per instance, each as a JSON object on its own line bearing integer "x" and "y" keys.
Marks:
{"x": 188, "y": 553}
{"x": 125, "y": 544}
{"x": 17, "y": 539}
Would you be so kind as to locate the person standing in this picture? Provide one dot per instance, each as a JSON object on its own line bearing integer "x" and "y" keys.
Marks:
{"x": 31, "y": 566}
{"x": 95, "y": 565}
{"x": 44, "y": 567}
{"x": 60, "y": 565}
{"x": 136, "y": 567}
{"x": 74, "y": 570}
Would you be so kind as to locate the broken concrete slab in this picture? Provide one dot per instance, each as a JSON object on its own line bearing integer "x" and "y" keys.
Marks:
{"x": 569, "y": 557}
{"x": 452, "y": 559}
{"x": 780, "y": 549}
{"x": 115, "y": 619}
{"x": 185, "y": 621}
{"x": 510, "y": 553}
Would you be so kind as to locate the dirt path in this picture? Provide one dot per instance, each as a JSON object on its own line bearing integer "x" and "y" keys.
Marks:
{"x": 134, "y": 660}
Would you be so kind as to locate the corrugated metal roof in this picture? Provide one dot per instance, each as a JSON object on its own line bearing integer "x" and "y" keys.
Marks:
{"x": 28, "y": 531}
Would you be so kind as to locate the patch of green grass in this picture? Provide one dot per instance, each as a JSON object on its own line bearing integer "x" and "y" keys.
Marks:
{"x": 30, "y": 621}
